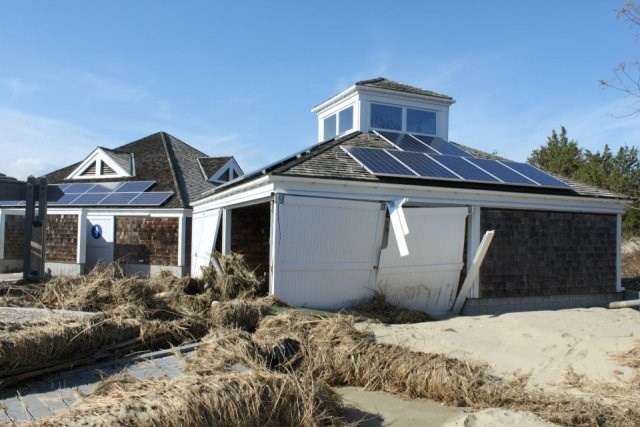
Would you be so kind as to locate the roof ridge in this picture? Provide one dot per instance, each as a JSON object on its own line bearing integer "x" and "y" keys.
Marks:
{"x": 169, "y": 152}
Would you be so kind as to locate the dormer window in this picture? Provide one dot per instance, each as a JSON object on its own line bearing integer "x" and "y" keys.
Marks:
{"x": 103, "y": 163}
{"x": 403, "y": 119}
{"x": 338, "y": 123}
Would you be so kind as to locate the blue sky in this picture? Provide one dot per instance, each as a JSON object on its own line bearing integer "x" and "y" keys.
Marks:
{"x": 239, "y": 77}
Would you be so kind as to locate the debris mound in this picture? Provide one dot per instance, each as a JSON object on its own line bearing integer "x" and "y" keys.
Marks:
{"x": 335, "y": 351}
{"x": 236, "y": 281}
{"x": 255, "y": 398}
{"x": 380, "y": 310}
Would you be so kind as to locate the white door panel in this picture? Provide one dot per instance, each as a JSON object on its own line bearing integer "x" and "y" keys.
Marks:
{"x": 204, "y": 234}
{"x": 326, "y": 251}
{"x": 426, "y": 279}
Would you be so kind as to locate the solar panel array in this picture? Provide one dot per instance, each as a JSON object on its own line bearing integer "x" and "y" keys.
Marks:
{"x": 422, "y": 144}
{"x": 129, "y": 193}
{"x": 426, "y": 165}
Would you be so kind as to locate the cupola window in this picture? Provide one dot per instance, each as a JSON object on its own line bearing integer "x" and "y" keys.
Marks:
{"x": 338, "y": 123}
{"x": 403, "y": 119}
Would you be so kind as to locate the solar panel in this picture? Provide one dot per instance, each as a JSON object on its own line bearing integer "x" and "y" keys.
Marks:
{"x": 118, "y": 199}
{"x": 466, "y": 170}
{"x": 12, "y": 202}
{"x": 441, "y": 146}
{"x": 536, "y": 174}
{"x": 65, "y": 199}
{"x": 89, "y": 199}
{"x": 501, "y": 172}
{"x": 134, "y": 186}
{"x": 378, "y": 161}
{"x": 104, "y": 187}
{"x": 406, "y": 142}
{"x": 151, "y": 199}
{"x": 78, "y": 188}
{"x": 423, "y": 165}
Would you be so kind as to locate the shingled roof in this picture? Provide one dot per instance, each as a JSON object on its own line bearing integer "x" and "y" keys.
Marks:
{"x": 159, "y": 157}
{"x": 384, "y": 83}
{"x": 327, "y": 160}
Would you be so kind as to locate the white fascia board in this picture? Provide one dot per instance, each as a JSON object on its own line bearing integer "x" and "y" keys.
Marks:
{"x": 253, "y": 190}
{"x": 361, "y": 190}
{"x": 122, "y": 212}
{"x": 336, "y": 98}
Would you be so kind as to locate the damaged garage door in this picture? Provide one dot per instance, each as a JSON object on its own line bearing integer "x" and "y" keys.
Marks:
{"x": 422, "y": 271}
{"x": 326, "y": 251}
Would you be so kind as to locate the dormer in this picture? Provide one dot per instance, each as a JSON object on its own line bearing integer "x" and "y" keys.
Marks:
{"x": 103, "y": 163}
{"x": 382, "y": 104}
{"x": 218, "y": 170}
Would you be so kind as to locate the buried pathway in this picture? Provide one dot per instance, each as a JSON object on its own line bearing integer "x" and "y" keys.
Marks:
{"x": 45, "y": 397}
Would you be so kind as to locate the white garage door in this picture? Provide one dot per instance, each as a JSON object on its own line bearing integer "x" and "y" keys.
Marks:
{"x": 326, "y": 251}
{"x": 427, "y": 278}
{"x": 204, "y": 233}
{"x": 99, "y": 240}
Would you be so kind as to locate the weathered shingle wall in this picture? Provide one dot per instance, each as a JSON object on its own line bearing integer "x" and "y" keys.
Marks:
{"x": 62, "y": 238}
{"x": 13, "y": 236}
{"x": 250, "y": 236}
{"x": 144, "y": 240}
{"x": 537, "y": 253}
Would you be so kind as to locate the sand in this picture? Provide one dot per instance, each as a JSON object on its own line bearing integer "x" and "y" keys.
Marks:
{"x": 544, "y": 344}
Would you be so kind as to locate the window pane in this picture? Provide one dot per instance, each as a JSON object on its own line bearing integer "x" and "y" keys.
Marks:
{"x": 420, "y": 121}
{"x": 346, "y": 120}
{"x": 386, "y": 117}
{"x": 330, "y": 127}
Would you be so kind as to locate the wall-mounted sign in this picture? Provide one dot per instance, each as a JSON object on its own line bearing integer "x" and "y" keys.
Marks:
{"x": 96, "y": 231}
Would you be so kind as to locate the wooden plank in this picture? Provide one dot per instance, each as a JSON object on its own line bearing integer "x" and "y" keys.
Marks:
{"x": 473, "y": 271}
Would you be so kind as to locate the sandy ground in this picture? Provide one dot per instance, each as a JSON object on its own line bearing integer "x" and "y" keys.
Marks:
{"x": 544, "y": 344}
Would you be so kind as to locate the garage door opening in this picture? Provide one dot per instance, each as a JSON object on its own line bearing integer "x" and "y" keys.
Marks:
{"x": 250, "y": 231}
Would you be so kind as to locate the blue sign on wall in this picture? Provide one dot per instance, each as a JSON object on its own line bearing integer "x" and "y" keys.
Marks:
{"x": 96, "y": 231}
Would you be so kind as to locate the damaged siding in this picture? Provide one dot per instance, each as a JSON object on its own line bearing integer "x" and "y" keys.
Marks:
{"x": 541, "y": 253}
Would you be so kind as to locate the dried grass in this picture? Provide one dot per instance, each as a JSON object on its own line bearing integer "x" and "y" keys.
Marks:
{"x": 334, "y": 351}
{"x": 244, "y": 314}
{"x": 60, "y": 338}
{"x": 630, "y": 358}
{"x": 380, "y": 310}
{"x": 238, "y": 280}
{"x": 249, "y": 399}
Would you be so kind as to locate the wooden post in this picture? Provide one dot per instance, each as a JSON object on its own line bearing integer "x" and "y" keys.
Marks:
{"x": 42, "y": 222}
{"x": 28, "y": 228}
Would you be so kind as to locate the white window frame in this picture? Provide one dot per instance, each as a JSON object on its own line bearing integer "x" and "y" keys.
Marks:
{"x": 404, "y": 109}
{"x": 337, "y": 115}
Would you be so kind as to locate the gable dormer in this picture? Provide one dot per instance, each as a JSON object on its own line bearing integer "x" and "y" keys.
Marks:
{"x": 382, "y": 104}
{"x": 104, "y": 164}
{"x": 219, "y": 170}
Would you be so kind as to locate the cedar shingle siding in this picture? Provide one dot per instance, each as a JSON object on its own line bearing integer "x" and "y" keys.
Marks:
{"x": 143, "y": 240}
{"x": 537, "y": 253}
{"x": 62, "y": 238}
{"x": 13, "y": 236}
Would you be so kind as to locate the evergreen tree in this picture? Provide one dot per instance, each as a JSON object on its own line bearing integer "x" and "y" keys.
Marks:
{"x": 618, "y": 172}
{"x": 560, "y": 155}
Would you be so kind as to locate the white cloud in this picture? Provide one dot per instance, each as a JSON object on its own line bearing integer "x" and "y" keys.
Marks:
{"x": 34, "y": 145}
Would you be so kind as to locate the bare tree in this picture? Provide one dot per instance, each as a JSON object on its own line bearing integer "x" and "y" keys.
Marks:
{"x": 626, "y": 76}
